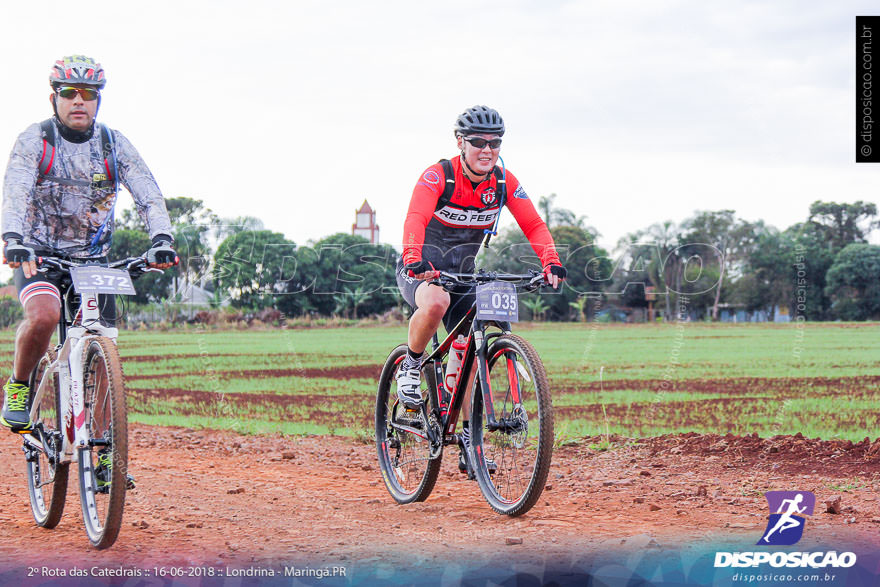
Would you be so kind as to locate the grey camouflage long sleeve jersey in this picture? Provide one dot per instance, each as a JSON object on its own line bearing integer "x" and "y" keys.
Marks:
{"x": 65, "y": 216}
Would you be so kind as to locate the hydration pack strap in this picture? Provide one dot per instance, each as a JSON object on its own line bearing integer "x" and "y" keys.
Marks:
{"x": 449, "y": 189}
{"x": 501, "y": 180}
{"x": 108, "y": 149}
{"x": 47, "y": 158}
{"x": 108, "y": 152}
{"x": 47, "y": 131}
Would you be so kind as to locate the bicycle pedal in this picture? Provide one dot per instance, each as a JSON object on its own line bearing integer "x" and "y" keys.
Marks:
{"x": 23, "y": 431}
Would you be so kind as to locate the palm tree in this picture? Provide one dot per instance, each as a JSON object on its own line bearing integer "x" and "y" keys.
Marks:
{"x": 580, "y": 304}
{"x": 358, "y": 297}
{"x": 351, "y": 300}
{"x": 545, "y": 205}
{"x": 537, "y": 306}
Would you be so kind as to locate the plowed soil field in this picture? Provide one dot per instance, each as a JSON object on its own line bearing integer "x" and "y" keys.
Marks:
{"x": 220, "y": 499}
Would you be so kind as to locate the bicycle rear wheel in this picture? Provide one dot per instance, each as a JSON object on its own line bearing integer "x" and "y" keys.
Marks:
{"x": 522, "y": 446}
{"x": 405, "y": 457}
{"x": 46, "y": 478}
{"x": 103, "y": 465}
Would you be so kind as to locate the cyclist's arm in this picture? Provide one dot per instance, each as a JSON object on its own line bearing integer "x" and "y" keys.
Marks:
{"x": 19, "y": 181}
{"x": 421, "y": 208}
{"x": 531, "y": 223}
{"x": 137, "y": 179}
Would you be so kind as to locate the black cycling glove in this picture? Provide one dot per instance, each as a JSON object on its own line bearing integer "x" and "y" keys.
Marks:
{"x": 15, "y": 252}
{"x": 557, "y": 270}
{"x": 418, "y": 267}
{"x": 161, "y": 251}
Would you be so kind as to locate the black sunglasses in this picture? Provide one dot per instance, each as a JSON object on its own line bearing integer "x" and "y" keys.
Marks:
{"x": 69, "y": 92}
{"x": 478, "y": 143}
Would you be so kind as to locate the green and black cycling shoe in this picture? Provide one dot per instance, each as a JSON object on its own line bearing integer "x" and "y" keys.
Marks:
{"x": 16, "y": 415}
{"x": 104, "y": 472}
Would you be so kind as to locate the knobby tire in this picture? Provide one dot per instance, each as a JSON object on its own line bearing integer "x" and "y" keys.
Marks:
{"x": 522, "y": 458}
{"x": 47, "y": 482}
{"x": 408, "y": 469}
{"x": 104, "y": 393}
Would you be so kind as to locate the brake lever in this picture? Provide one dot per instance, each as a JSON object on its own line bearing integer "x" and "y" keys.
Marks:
{"x": 537, "y": 282}
{"x": 140, "y": 265}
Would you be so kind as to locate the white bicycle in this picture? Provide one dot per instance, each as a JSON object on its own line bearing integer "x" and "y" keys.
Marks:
{"x": 78, "y": 403}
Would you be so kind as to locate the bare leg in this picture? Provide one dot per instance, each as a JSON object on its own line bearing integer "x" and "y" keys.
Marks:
{"x": 469, "y": 391}
{"x": 41, "y": 314}
{"x": 432, "y": 302}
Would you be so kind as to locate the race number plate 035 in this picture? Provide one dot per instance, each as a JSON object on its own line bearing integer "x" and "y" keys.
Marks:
{"x": 102, "y": 280}
{"x": 497, "y": 301}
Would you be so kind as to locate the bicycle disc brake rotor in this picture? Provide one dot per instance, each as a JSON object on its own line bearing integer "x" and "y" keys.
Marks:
{"x": 521, "y": 418}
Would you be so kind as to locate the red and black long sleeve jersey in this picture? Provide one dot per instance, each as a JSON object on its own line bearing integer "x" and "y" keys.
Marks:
{"x": 449, "y": 236}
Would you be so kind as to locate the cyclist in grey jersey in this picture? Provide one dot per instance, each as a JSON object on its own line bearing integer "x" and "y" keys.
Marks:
{"x": 59, "y": 192}
{"x": 65, "y": 210}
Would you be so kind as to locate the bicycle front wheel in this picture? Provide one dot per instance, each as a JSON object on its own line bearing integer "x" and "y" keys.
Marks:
{"x": 46, "y": 476}
{"x": 408, "y": 466}
{"x": 103, "y": 464}
{"x": 512, "y": 459}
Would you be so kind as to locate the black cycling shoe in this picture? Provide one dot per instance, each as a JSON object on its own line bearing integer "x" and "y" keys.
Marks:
{"x": 462, "y": 464}
{"x": 464, "y": 446}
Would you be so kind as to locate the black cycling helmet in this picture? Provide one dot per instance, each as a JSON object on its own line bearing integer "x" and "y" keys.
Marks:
{"x": 479, "y": 120}
{"x": 77, "y": 70}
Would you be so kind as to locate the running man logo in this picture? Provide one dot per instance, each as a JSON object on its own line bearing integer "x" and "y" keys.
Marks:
{"x": 785, "y": 525}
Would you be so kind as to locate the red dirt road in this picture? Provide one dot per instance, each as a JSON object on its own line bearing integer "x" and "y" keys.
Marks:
{"x": 217, "y": 499}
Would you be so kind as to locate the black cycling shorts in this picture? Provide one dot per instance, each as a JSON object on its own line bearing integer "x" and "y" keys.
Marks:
{"x": 459, "y": 301}
{"x": 56, "y": 284}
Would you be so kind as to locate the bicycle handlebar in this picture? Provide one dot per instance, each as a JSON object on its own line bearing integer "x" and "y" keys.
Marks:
{"x": 136, "y": 266}
{"x": 534, "y": 279}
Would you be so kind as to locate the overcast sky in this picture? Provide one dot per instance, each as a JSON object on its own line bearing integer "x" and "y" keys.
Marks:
{"x": 632, "y": 112}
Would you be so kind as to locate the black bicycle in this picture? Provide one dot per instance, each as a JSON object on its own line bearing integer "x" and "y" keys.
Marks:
{"x": 511, "y": 422}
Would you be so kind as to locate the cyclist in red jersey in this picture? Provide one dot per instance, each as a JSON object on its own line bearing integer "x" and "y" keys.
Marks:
{"x": 446, "y": 235}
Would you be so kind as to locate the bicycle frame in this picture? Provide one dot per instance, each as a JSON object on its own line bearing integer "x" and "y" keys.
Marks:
{"x": 506, "y": 447}
{"x": 477, "y": 345}
{"x": 68, "y": 366}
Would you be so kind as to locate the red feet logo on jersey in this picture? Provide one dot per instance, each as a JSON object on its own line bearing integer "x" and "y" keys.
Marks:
{"x": 488, "y": 197}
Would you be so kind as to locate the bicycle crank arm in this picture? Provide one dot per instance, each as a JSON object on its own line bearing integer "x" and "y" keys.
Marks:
{"x": 403, "y": 427}
{"x": 34, "y": 438}
{"x": 433, "y": 435}
{"x": 31, "y": 450}
{"x": 36, "y": 442}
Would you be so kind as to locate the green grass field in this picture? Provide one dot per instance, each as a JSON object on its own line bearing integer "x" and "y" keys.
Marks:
{"x": 635, "y": 380}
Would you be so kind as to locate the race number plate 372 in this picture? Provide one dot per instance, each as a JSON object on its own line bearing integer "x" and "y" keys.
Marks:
{"x": 102, "y": 280}
{"x": 497, "y": 301}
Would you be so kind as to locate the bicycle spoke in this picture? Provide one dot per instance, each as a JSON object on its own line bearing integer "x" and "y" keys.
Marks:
{"x": 521, "y": 445}
{"x": 47, "y": 480}
{"x": 410, "y": 469}
{"x": 104, "y": 462}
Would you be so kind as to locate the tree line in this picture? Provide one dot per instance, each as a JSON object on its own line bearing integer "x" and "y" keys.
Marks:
{"x": 820, "y": 269}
